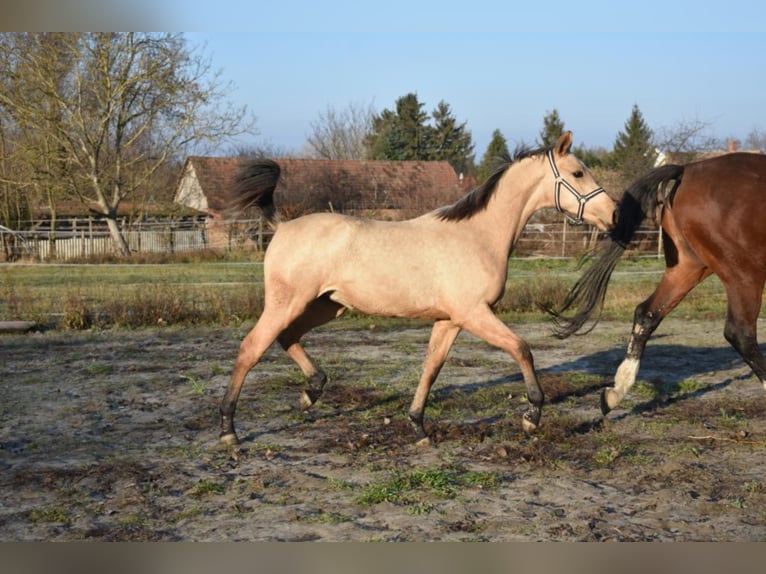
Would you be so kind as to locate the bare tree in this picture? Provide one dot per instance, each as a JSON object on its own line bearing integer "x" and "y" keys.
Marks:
{"x": 341, "y": 134}
{"x": 112, "y": 109}
{"x": 756, "y": 140}
{"x": 687, "y": 136}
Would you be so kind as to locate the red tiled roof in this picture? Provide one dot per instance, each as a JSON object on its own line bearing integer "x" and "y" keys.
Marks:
{"x": 372, "y": 184}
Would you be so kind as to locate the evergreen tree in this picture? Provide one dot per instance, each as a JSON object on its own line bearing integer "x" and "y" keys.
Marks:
{"x": 406, "y": 135}
{"x": 553, "y": 127}
{"x": 633, "y": 152}
{"x": 400, "y": 135}
{"x": 450, "y": 141}
{"x": 497, "y": 150}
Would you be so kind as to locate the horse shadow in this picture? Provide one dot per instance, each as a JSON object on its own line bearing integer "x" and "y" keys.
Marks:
{"x": 666, "y": 366}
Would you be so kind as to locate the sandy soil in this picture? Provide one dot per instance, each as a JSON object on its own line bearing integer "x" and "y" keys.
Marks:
{"x": 113, "y": 436}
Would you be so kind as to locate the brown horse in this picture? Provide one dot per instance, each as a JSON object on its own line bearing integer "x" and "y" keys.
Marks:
{"x": 708, "y": 211}
{"x": 449, "y": 265}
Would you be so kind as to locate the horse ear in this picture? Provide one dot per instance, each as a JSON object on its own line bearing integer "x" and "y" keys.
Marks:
{"x": 564, "y": 144}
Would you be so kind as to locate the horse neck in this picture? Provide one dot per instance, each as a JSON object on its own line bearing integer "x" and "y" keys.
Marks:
{"x": 516, "y": 199}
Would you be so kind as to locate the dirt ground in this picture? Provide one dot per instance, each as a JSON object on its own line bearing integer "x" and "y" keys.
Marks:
{"x": 112, "y": 435}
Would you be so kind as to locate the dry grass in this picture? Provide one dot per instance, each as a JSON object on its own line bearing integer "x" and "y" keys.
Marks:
{"x": 231, "y": 292}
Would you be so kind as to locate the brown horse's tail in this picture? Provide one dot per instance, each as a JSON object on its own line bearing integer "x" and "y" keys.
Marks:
{"x": 639, "y": 201}
{"x": 254, "y": 187}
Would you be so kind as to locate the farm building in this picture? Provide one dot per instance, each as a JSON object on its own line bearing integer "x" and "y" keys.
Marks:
{"x": 383, "y": 189}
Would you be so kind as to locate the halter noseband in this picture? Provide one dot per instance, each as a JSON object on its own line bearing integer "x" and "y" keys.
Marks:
{"x": 582, "y": 199}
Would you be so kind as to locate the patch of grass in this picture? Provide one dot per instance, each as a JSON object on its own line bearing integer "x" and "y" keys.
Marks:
{"x": 606, "y": 455}
{"x": 196, "y": 387}
{"x": 689, "y": 386}
{"x": 324, "y": 517}
{"x": 134, "y": 520}
{"x": 206, "y": 487}
{"x": 408, "y": 488}
{"x": 99, "y": 369}
{"x": 754, "y": 488}
{"x": 421, "y": 508}
{"x": 49, "y": 515}
{"x": 189, "y": 513}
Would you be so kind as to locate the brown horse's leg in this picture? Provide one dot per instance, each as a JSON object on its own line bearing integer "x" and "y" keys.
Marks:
{"x": 485, "y": 325}
{"x": 744, "y": 304}
{"x": 319, "y": 312}
{"x": 676, "y": 282}
{"x": 443, "y": 336}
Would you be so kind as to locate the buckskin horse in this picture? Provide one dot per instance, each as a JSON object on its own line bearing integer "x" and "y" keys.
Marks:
{"x": 449, "y": 265}
{"x": 708, "y": 211}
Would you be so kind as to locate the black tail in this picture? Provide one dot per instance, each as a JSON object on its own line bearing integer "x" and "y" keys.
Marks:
{"x": 639, "y": 201}
{"x": 254, "y": 187}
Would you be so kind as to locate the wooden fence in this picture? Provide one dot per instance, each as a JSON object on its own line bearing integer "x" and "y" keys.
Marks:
{"x": 84, "y": 243}
{"x": 538, "y": 240}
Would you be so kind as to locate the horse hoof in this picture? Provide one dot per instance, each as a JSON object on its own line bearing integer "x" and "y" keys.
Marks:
{"x": 608, "y": 401}
{"x": 531, "y": 419}
{"x": 528, "y": 426}
{"x": 229, "y": 439}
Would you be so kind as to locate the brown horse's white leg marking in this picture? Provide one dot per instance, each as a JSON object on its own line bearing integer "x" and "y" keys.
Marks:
{"x": 624, "y": 378}
{"x": 443, "y": 335}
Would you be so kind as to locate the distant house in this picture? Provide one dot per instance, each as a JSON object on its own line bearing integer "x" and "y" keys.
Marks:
{"x": 664, "y": 158}
{"x": 383, "y": 189}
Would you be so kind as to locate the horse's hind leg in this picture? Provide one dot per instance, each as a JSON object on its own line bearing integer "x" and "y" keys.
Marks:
{"x": 319, "y": 312}
{"x": 251, "y": 350}
{"x": 676, "y": 282}
{"x": 744, "y": 305}
{"x": 443, "y": 336}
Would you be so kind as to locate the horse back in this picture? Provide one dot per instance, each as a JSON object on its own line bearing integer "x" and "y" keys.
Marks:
{"x": 717, "y": 210}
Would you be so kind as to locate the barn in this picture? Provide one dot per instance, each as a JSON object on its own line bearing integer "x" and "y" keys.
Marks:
{"x": 381, "y": 189}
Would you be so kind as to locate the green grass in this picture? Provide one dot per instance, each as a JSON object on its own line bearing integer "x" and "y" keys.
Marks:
{"x": 86, "y": 296}
{"x": 205, "y": 487}
{"x": 408, "y": 488}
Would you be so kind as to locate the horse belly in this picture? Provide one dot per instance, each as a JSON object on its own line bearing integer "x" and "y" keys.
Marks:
{"x": 388, "y": 295}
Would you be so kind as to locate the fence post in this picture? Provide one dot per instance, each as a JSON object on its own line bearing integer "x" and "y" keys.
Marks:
{"x": 564, "y": 239}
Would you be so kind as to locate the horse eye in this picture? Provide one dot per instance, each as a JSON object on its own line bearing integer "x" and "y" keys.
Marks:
{"x": 578, "y": 174}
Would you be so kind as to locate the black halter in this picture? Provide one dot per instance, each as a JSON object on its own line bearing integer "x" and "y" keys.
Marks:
{"x": 582, "y": 199}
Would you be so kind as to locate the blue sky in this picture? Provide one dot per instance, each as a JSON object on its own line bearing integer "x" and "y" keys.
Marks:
{"x": 498, "y": 64}
{"x": 499, "y": 80}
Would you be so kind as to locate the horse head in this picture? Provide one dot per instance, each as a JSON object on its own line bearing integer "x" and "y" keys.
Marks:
{"x": 575, "y": 193}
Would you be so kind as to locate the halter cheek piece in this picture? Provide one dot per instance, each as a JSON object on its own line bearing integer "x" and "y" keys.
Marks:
{"x": 582, "y": 199}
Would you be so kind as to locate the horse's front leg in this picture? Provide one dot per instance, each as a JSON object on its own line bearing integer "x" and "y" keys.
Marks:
{"x": 443, "y": 336}
{"x": 486, "y": 325}
{"x": 676, "y": 282}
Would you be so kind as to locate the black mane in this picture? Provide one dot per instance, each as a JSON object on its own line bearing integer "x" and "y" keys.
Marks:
{"x": 478, "y": 198}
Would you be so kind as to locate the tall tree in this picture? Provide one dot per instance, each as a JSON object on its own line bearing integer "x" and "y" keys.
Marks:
{"x": 553, "y": 127}
{"x": 406, "y": 134}
{"x": 497, "y": 150}
{"x": 633, "y": 153}
{"x": 450, "y": 141}
{"x": 113, "y": 108}
{"x": 401, "y": 134}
